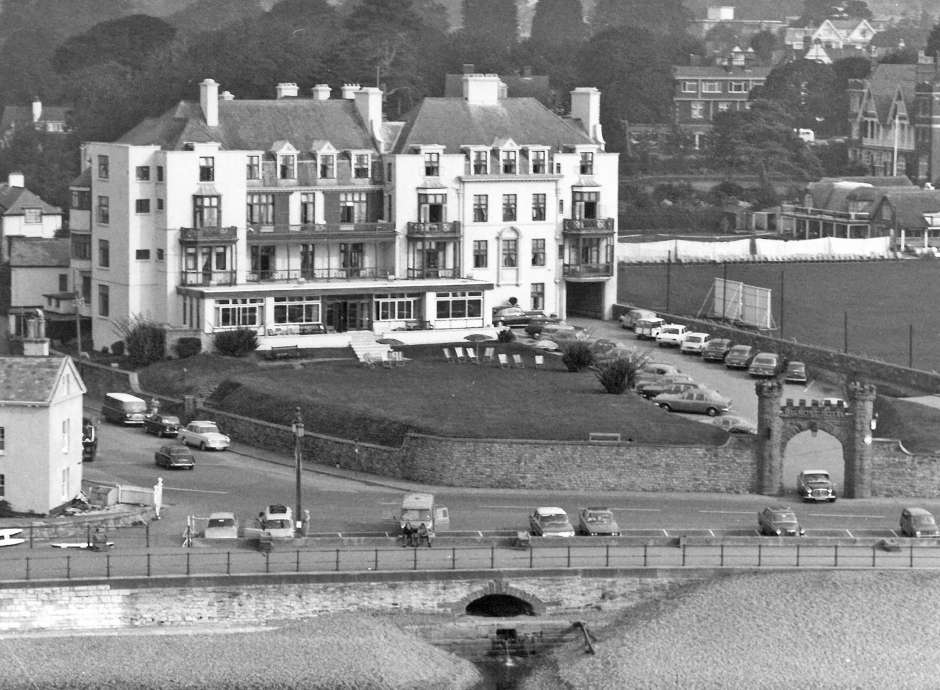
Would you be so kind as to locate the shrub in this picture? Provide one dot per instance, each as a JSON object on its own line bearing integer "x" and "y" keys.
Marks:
{"x": 618, "y": 375}
{"x": 577, "y": 354}
{"x": 188, "y": 347}
{"x": 117, "y": 348}
{"x": 237, "y": 343}
{"x": 145, "y": 340}
{"x": 6, "y": 510}
{"x": 505, "y": 335}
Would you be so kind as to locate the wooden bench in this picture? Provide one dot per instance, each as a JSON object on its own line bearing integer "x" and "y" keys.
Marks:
{"x": 282, "y": 352}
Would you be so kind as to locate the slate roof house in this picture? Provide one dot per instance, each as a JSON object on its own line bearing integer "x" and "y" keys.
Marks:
{"x": 308, "y": 218}
{"x": 40, "y": 117}
{"x": 24, "y": 214}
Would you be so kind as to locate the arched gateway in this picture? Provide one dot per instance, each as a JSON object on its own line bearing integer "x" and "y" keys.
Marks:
{"x": 849, "y": 422}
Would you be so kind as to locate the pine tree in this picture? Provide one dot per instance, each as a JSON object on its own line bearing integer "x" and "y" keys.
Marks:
{"x": 558, "y": 23}
{"x": 495, "y": 21}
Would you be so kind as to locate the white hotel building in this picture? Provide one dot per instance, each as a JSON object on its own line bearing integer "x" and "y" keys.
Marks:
{"x": 307, "y": 217}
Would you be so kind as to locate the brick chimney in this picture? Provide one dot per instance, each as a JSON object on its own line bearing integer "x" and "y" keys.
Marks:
{"x": 209, "y": 100}
{"x": 287, "y": 89}
{"x": 349, "y": 91}
{"x": 369, "y": 105}
{"x": 16, "y": 179}
{"x": 36, "y": 344}
{"x": 586, "y": 107}
{"x": 321, "y": 92}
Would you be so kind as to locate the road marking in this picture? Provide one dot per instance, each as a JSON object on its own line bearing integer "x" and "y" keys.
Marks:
{"x": 194, "y": 491}
{"x": 845, "y": 515}
{"x": 728, "y": 512}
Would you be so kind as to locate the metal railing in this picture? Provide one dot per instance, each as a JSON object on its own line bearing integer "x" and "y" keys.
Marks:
{"x": 285, "y": 559}
{"x": 288, "y": 275}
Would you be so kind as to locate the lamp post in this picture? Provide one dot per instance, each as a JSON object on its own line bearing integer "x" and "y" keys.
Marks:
{"x": 297, "y": 427}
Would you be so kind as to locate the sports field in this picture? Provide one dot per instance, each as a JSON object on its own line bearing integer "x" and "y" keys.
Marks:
{"x": 886, "y": 310}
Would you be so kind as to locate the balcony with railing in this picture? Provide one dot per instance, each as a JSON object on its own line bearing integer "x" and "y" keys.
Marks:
{"x": 426, "y": 273}
{"x": 307, "y": 174}
{"x": 216, "y": 235}
{"x": 588, "y": 226}
{"x": 449, "y": 229}
{"x": 320, "y": 274}
{"x": 207, "y": 278}
{"x": 312, "y": 231}
{"x": 588, "y": 271}
{"x": 824, "y": 213}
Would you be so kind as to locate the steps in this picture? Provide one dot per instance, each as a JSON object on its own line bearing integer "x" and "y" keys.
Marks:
{"x": 365, "y": 346}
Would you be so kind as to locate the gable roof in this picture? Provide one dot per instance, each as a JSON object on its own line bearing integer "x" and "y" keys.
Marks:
{"x": 834, "y": 194}
{"x": 254, "y": 125}
{"x": 17, "y": 115}
{"x": 32, "y": 380}
{"x": 13, "y": 200}
{"x": 453, "y": 123}
{"x": 36, "y": 252}
{"x": 911, "y": 205}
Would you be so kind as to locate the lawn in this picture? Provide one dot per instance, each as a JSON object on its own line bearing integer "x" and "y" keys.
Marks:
{"x": 427, "y": 395}
{"x": 882, "y": 303}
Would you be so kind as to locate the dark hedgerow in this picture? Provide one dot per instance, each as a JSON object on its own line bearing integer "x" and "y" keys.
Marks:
{"x": 188, "y": 347}
{"x": 237, "y": 343}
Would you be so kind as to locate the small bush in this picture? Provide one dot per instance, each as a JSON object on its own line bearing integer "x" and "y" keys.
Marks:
{"x": 577, "y": 355}
{"x": 145, "y": 340}
{"x": 117, "y": 348}
{"x": 237, "y": 343}
{"x": 505, "y": 335}
{"x": 618, "y": 375}
{"x": 188, "y": 347}
{"x": 105, "y": 350}
{"x": 6, "y": 510}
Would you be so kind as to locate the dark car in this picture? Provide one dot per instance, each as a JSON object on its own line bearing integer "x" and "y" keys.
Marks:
{"x": 779, "y": 521}
{"x": 739, "y": 357}
{"x": 175, "y": 455}
{"x": 764, "y": 365}
{"x": 597, "y": 521}
{"x": 917, "y": 522}
{"x": 795, "y": 372}
{"x": 716, "y": 349}
{"x": 162, "y": 424}
{"x": 815, "y": 485}
{"x": 666, "y": 384}
{"x": 516, "y": 316}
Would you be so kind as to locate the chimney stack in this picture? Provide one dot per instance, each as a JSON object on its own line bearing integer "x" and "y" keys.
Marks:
{"x": 36, "y": 344}
{"x": 349, "y": 91}
{"x": 227, "y": 96}
{"x": 16, "y": 179}
{"x": 321, "y": 92}
{"x": 287, "y": 89}
{"x": 209, "y": 100}
{"x": 586, "y": 107}
{"x": 37, "y": 109}
{"x": 481, "y": 89}
{"x": 369, "y": 105}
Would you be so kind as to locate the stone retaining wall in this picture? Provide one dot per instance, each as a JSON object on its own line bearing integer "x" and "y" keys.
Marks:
{"x": 254, "y": 600}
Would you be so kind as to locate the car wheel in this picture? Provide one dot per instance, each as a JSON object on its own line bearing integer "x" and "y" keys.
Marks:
{"x": 666, "y": 407}
{"x": 712, "y": 412}
{"x": 832, "y": 500}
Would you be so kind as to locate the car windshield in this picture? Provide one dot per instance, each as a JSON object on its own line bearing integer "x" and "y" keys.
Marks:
{"x": 180, "y": 451}
{"x": 206, "y": 429}
{"x": 554, "y": 519}
{"x": 784, "y": 516}
{"x": 136, "y": 406}
{"x": 740, "y": 350}
{"x": 221, "y": 522}
{"x": 816, "y": 477}
{"x": 924, "y": 520}
{"x": 415, "y": 516}
{"x": 671, "y": 331}
{"x": 763, "y": 359}
{"x": 277, "y": 524}
{"x": 170, "y": 420}
{"x": 599, "y": 516}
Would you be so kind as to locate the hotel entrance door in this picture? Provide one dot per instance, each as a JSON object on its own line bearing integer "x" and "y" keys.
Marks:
{"x": 348, "y": 315}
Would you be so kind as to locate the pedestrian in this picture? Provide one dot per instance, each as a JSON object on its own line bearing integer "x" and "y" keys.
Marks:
{"x": 424, "y": 535}
{"x": 408, "y": 532}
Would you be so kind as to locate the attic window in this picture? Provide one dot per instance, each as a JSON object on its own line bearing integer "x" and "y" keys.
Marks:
{"x": 327, "y": 166}
{"x": 32, "y": 215}
{"x": 432, "y": 164}
{"x": 287, "y": 167}
{"x": 509, "y": 162}
{"x": 361, "y": 166}
{"x": 481, "y": 163}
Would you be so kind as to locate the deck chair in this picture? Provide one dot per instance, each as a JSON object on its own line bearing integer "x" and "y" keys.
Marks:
{"x": 367, "y": 360}
{"x": 397, "y": 358}
{"x": 503, "y": 361}
{"x": 447, "y": 355}
{"x": 539, "y": 361}
{"x": 488, "y": 354}
{"x": 459, "y": 354}
{"x": 517, "y": 362}
{"x": 472, "y": 356}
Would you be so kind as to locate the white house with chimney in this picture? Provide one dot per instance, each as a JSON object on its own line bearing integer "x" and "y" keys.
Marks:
{"x": 307, "y": 217}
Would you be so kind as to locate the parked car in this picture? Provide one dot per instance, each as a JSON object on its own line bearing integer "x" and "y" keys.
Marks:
{"x": 716, "y": 349}
{"x": 629, "y": 318}
{"x": 174, "y": 455}
{"x": 648, "y": 329}
{"x": 652, "y": 370}
{"x": 222, "y": 525}
{"x": 562, "y": 332}
{"x": 162, "y": 424}
{"x": 815, "y": 485}
{"x": 597, "y": 521}
{"x": 123, "y": 408}
{"x": 734, "y": 424}
{"x": 764, "y": 365}
{"x": 534, "y": 327}
{"x": 779, "y": 521}
{"x": 917, "y": 522}
{"x": 671, "y": 335}
{"x": 674, "y": 383}
{"x": 739, "y": 357}
{"x": 700, "y": 400}
{"x": 515, "y": 316}
{"x": 277, "y": 521}
{"x": 795, "y": 372}
{"x": 204, "y": 435}
{"x": 550, "y": 522}
{"x": 694, "y": 343}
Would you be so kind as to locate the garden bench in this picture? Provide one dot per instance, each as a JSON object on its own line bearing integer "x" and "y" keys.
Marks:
{"x": 282, "y": 352}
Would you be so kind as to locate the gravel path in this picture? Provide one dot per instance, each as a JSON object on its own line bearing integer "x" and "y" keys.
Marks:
{"x": 807, "y": 629}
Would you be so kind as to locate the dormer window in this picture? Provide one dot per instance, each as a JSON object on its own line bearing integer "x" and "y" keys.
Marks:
{"x": 509, "y": 162}
{"x": 253, "y": 168}
{"x": 206, "y": 169}
{"x": 432, "y": 164}
{"x": 538, "y": 162}
{"x": 327, "y": 166}
{"x": 481, "y": 162}
{"x": 587, "y": 163}
{"x": 287, "y": 166}
{"x": 361, "y": 165}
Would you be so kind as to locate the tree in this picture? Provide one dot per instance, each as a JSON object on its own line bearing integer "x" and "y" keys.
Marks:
{"x": 667, "y": 17}
{"x": 760, "y": 140}
{"x": 764, "y": 43}
{"x": 558, "y": 23}
{"x": 817, "y": 11}
{"x": 126, "y": 41}
{"x": 49, "y": 162}
{"x": 933, "y": 41}
{"x": 805, "y": 89}
{"x": 852, "y": 68}
{"x": 494, "y": 21}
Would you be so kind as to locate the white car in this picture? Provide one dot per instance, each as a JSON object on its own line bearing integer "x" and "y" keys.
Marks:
{"x": 222, "y": 525}
{"x": 277, "y": 522}
{"x": 204, "y": 435}
{"x": 672, "y": 335}
{"x": 694, "y": 343}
